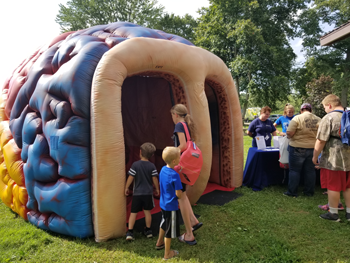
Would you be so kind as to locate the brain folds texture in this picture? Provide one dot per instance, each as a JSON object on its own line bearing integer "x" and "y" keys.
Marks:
{"x": 45, "y": 169}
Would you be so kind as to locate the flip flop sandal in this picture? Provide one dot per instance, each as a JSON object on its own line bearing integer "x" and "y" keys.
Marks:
{"x": 191, "y": 243}
{"x": 324, "y": 207}
{"x": 160, "y": 247}
{"x": 197, "y": 226}
{"x": 176, "y": 253}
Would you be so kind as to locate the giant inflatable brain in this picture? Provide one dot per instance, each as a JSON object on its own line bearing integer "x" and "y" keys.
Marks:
{"x": 74, "y": 114}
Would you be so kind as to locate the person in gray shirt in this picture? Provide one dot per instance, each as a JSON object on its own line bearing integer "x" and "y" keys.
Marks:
{"x": 142, "y": 173}
{"x": 335, "y": 159}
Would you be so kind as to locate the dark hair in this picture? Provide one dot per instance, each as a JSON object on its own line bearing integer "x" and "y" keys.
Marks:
{"x": 306, "y": 109}
{"x": 147, "y": 150}
{"x": 181, "y": 110}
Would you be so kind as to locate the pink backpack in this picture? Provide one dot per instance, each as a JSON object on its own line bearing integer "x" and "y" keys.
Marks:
{"x": 191, "y": 161}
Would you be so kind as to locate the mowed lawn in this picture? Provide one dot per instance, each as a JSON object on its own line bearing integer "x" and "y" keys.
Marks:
{"x": 260, "y": 226}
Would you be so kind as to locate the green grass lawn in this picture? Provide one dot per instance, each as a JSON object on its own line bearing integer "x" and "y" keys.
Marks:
{"x": 260, "y": 226}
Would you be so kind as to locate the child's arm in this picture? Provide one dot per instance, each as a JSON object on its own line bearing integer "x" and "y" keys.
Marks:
{"x": 128, "y": 183}
{"x": 155, "y": 181}
{"x": 182, "y": 140}
{"x": 178, "y": 193}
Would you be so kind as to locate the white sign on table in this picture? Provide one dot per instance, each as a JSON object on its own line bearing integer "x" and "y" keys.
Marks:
{"x": 276, "y": 141}
{"x": 260, "y": 142}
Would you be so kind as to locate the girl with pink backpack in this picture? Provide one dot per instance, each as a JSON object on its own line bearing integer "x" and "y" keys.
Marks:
{"x": 183, "y": 133}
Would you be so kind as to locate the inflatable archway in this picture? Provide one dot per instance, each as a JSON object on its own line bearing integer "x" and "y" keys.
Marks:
{"x": 75, "y": 113}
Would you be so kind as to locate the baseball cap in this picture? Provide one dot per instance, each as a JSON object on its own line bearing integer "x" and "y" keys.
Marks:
{"x": 306, "y": 106}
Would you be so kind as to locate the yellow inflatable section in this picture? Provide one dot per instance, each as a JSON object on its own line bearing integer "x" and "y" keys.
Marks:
{"x": 12, "y": 182}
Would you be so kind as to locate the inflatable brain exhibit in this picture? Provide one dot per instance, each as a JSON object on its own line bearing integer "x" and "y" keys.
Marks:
{"x": 74, "y": 114}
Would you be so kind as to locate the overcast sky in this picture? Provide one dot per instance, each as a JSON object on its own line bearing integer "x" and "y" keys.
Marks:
{"x": 28, "y": 24}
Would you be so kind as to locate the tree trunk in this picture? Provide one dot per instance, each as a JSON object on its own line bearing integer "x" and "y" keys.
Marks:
{"x": 236, "y": 81}
{"x": 344, "y": 97}
{"x": 345, "y": 89}
{"x": 245, "y": 104}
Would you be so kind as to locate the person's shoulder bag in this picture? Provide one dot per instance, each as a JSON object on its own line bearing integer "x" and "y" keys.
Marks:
{"x": 191, "y": 161}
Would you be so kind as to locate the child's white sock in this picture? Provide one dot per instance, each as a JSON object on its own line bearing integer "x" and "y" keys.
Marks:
{"x": 333, "y": 210}
{"x": 348, "y": 209}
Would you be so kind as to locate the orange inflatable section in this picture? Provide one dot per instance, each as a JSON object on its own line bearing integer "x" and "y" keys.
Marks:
{"x": 12, "y": 182}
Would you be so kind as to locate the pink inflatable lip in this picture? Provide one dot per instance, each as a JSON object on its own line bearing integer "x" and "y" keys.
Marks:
{"x": 190, "y": 77}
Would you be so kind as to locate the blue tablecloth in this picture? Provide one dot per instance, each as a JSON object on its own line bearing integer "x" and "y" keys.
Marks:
{"x": 262, "y": 169}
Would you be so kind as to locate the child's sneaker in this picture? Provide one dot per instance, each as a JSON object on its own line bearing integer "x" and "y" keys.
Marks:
{"x": 148, "y": 233}
{"x": 330, "y": 216}
{"x": 347, "y": 216}
{"x": 129, "y": 236}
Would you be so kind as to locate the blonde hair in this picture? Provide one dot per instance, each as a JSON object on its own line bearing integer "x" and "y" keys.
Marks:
{"x": 170, "y": 153}
{"x": 288, "y": 107}
{"x": 181, "y": 110}
{"x": 147, "y": 150}
{"x": 332, "y": 100}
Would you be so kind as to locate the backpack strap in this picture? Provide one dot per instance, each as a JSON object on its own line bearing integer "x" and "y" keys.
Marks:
{"x": 188, "y": 136}
{"x": 340, "y": 111}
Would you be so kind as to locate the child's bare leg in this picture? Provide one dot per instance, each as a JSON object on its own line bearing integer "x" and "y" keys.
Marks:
{"x": 167, "y": 251}
{"x": 132, "y": 220}
{"x": 148, "y": 218}
{"x": 346, "y": 195}
{"x": 186, "y": 209}
{"x": 160, "y": 240}
{"x": 333, "y": 198}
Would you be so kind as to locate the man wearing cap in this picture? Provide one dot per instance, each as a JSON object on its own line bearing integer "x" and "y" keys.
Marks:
{"x": 302, "y": 134}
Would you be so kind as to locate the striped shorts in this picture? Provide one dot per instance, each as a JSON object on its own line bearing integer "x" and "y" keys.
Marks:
{"x": 170, "y": 223}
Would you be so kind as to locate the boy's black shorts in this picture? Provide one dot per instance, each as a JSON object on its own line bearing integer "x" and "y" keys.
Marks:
{"x": 142, "y": 202}
{"x": 170, "y": 223}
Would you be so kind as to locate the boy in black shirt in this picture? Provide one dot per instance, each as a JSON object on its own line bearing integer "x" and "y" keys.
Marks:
{"x": 144, "y": 172}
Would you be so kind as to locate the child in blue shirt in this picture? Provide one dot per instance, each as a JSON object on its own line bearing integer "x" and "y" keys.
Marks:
{"x": 170, "y": 192}
{"x": 288, "y": 115}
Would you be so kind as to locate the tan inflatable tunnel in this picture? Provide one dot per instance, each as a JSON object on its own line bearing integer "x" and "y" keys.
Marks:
{"x": 135, "y": 85}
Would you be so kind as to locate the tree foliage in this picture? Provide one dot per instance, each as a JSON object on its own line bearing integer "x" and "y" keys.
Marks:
{"x": 81, "y": 14}
{"x": 316, "y": 91}
{"x": 334, "y": 60}
{"x": 314, "y": 68}
{"x": 251, "y": 37}
{"x": 177, "y": 25}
